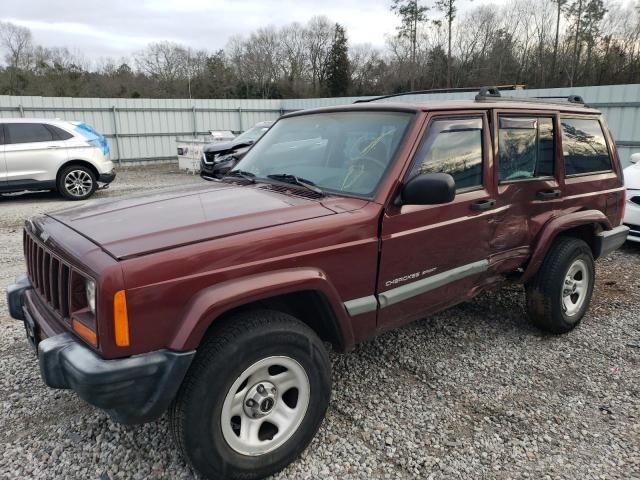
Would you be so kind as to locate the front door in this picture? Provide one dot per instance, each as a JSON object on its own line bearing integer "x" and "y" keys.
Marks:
{"x": 32, "y": 153}
{"x": 434, "y": 255}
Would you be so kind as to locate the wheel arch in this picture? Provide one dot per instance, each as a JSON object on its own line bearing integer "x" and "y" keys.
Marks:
{"x": 80, "y": 162}
{"x": 583, "y": 224}
{"x": 303, "y": 293}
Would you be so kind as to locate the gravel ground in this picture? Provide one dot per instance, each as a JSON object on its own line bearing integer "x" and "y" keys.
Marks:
{"x": 474, "y": 392}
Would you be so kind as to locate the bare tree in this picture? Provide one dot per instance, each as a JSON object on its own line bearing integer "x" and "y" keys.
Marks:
{"x": 318, "y": 38}
{"x": 164, "y": 61}
{"x": 17, "y": 42}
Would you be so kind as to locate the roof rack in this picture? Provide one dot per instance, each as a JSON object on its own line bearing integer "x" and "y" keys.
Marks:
{"x": 438, "y": 90}
{"x": 492, "y": 94}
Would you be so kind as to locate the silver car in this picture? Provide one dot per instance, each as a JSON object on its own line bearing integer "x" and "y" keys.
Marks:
{"x": 38, "y": 154}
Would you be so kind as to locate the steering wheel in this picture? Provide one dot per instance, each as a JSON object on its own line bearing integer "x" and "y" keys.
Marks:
{"x": 359, "y": 167}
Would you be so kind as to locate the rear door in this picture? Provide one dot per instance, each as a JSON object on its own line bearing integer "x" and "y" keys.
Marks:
{"x": 33, "y": 153}
{"x": 528, "y": 179}
{"x": 434, "y": 255}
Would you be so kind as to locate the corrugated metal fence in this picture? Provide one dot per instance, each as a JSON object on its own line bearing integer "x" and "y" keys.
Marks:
{"x": 146, "y": 129}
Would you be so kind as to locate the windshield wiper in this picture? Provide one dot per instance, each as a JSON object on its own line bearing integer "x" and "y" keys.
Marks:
{"x": 303, "y": 182}
{"x": 250, "y": 177}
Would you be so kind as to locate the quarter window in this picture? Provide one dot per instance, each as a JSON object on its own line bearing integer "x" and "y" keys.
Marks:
{"x": 27, "y": 133}
{"x": 526, "y": 148}
{"x": 453, "y": 146}
{"x": 59, "y": 133}
{"x": 585, "y": 149}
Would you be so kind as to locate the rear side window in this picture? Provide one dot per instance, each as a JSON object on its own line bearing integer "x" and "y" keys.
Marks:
{"x": 27, "y": 133}
{"x": 59, "y": 133}
{"x": 453, "y": 146}
{"x": 584, "y": 147}
{"x": 526, "y": 148}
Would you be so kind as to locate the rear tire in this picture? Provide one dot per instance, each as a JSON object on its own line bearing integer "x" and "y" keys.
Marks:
{"x": 253, "y": 398}
{"x": 76, "y": 182}
{"x": 559, "y": 294}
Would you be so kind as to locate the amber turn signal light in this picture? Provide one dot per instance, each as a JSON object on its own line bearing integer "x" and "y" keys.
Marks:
{"x": 121, "y": 319}
{"x": 85, "y": 332}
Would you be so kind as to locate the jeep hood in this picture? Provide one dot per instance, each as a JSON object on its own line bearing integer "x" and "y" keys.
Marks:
{"x": 138, "y": 225}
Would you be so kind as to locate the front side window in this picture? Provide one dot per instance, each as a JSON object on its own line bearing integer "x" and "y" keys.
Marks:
{"x": 525, "y": 147}
{"x": 453, "y": 146}
{"x": 341, "y": 152}
{"x": 584, "y": 146}
{"x": 28, "y": 133}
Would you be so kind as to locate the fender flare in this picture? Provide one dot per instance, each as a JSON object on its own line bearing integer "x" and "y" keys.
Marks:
{"x": 556, "y": 226}
{"x": 209, "y": 304}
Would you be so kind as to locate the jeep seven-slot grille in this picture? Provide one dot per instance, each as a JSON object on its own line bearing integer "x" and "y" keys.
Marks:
{"x": 50, "y": 276}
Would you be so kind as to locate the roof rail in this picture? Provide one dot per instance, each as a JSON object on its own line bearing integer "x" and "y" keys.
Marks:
{"x": 492, "y": 94}
{"x": 438, "y": 90}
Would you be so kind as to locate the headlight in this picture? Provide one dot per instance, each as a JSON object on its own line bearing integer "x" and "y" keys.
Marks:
{"x": 90, "y": 291}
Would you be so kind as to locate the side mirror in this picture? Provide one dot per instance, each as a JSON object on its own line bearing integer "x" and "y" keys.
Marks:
{"x": 429, "y": 189}
{"x": 635, "y": 158}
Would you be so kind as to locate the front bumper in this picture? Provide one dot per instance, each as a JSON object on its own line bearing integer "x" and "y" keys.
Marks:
{"x": 607, "y": 241}
{"x": 107, "y": 177}
{"x": 131, "y": 390}
{"x": 634, "y": 232}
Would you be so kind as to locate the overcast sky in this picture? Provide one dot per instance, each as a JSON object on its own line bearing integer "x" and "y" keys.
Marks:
{"x": 115, "y": 28}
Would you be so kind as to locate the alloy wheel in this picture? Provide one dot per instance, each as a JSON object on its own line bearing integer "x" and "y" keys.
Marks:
{"x": 78, "y": 183}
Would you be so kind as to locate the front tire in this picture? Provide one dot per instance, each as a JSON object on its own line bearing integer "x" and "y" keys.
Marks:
{"x": 559, "y": 294}
{"x": 76, "y": 182}
{"x": 254, "y": 397}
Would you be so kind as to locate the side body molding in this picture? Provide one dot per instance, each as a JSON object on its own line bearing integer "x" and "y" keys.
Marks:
{"x": 208, "y": 304}
{"x": 551, "y": 230}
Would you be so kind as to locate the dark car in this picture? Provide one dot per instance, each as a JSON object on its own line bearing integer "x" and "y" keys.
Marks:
{"x": 219, "y": 307}
{"x": 218, "y": 158}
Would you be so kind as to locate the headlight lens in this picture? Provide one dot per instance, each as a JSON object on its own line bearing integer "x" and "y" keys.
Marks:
{"x": 90, "y": 291}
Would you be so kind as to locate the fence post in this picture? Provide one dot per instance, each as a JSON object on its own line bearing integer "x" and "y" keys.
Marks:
{"x": 21, "y": 108}
{"x": 195, "y": 121}
{"x": 115, "y": 133}
{"x": 240, "y": 118}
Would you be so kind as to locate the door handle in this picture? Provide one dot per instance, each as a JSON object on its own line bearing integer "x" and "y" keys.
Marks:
{"x": 548, "y": 194}
{"x": 53, "y": 146}
{"x": 483, "y": 204}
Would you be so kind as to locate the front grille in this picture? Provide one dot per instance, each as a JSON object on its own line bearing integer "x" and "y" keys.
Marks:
{"x": 50, "y": 276}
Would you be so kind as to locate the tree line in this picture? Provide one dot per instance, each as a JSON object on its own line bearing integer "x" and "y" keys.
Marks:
{"x": 539, "y": 43}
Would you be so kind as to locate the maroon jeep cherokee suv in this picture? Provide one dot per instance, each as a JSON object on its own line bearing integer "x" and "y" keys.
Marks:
{"x": 339, "y": 224}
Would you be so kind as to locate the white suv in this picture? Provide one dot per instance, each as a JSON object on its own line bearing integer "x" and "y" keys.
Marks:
{"x": 39, "y": 154}
{"x": 632, "y": 213}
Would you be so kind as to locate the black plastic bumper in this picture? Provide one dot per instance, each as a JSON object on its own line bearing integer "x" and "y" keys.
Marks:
{"x": 131, "y": 390}
{"x": 15, "y": 293}
{"x": 607, "y": 241}
{"x": 107, "y": 177}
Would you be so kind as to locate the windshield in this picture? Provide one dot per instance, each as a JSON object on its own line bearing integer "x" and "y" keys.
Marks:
{"x": 343, "y": 152}
{"x": 251, "y": 135}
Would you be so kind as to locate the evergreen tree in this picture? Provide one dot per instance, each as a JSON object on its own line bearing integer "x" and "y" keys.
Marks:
{"x": 411, "y": 14}
{"x": 338, "y": 74}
